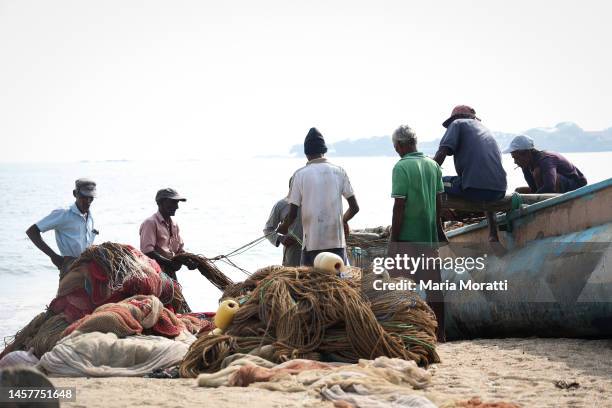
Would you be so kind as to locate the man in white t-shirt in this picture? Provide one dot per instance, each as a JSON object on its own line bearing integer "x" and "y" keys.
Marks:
{"x": 318, "y": 189}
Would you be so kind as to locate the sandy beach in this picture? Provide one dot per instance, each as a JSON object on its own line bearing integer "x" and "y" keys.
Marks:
{"x": 522, "y": 371}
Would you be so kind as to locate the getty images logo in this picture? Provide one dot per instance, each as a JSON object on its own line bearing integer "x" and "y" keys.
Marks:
{"x": 411, "y": 264}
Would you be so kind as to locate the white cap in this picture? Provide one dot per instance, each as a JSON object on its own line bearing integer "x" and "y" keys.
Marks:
{"x": 520, "y": 142}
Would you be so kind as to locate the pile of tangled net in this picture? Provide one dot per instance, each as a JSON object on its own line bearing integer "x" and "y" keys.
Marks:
{"x": 103, "y": 274}
{"x": 287, "y": 313}
{"x": 140, "y": 314}
{"x": 206, "y": 268}
{"x": 369, "y": 237}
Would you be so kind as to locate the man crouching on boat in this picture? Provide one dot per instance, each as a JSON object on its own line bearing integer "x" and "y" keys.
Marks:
{"x": 73, "y": 226}
{"x": 544, "y": 172}
{"x": 160, "y": 237}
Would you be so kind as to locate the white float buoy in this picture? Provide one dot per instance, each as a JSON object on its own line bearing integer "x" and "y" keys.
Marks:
{"x": 329, "y": 262}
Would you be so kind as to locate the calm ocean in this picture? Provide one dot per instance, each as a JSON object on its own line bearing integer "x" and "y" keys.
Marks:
{"x": 228, "y": 203}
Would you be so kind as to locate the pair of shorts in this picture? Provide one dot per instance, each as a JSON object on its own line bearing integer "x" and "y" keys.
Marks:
{"x": 309, "y": 256}
{"x": 566, "y": 184}
{"x": 452, "y": 186}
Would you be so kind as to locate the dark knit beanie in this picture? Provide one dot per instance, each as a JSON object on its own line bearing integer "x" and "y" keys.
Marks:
{"x": 314, "y": 143}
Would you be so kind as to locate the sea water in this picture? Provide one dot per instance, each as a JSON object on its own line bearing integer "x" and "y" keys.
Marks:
{"x": 228, "y": 204}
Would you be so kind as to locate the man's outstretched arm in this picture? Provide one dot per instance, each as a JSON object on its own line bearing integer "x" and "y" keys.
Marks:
{"x": 283, "y": 228}
{"x": 166, "y": 263}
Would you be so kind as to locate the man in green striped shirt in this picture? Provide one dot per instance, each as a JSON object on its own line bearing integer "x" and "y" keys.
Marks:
{"x": 416, "y": 185}
{"x": 416, "y": 188}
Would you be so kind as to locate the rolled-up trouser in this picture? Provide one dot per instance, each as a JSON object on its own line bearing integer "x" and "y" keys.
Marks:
{"x": 566, "y": 184}
{"x": 452, "y": 186}
{"x": 292, "y": 256}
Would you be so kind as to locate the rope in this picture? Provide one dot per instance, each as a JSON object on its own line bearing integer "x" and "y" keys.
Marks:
{"x": 243, "y": 248}
{"x": 239, "y": 251}
{"x": 206, "y": 268}
{"x": 246, "y": 247}
{"x": 299, "y": 241}
{"x": 310, "y": 313}
{"x": 231, "y": 263}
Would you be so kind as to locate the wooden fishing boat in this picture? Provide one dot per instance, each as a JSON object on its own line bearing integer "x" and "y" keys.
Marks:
{"x": 556, "y": 256}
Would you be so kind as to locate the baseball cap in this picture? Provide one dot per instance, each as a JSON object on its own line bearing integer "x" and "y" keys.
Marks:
{"x": 85, "y": 187}
{"x": 169, "y": 193}
{"x": 520, "y": 142}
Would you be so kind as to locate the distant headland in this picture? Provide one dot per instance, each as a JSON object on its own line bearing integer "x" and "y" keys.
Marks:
{"x": 564, "y": 137}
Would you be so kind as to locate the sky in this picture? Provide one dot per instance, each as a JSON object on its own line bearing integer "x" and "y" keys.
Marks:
{"x": 105, "y": 80}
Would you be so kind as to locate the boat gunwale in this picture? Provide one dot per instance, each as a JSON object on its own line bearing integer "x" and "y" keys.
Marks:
{"x": 522, "y": 212}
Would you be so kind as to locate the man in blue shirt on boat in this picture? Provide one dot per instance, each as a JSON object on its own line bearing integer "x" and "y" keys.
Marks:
{"x": 480, "y": 174}
{"x": 73, "y": 226}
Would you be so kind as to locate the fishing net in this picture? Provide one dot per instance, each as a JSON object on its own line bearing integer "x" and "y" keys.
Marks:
{"x": 310, "y": 313}
{"x": 206, "y": 268}
{"x": 106, "y": 273}
{"x": 140, "y": 314}
{"x": 363, "y": 245}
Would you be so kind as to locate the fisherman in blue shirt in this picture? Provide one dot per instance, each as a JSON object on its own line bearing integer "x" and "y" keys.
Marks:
{"x": 73, "y": 226}
{"x": 480, "y": 174}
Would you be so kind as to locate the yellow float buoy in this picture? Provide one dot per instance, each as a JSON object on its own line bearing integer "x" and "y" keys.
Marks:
{"x": 225, "y": 313}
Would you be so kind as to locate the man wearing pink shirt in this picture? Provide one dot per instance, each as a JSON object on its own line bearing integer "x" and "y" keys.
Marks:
{"x": 160, "y": 237}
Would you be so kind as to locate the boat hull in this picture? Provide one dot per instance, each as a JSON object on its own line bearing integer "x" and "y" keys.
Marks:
{"x": 557, "y": 261}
